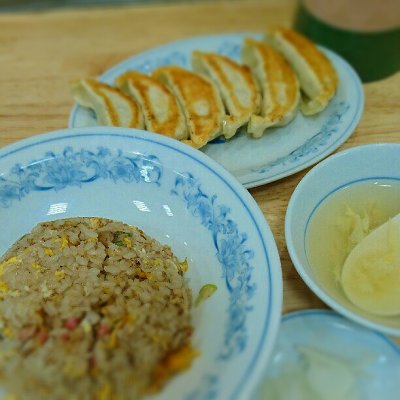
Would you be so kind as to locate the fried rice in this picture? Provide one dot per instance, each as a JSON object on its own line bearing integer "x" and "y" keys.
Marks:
{"x": 91, "y": 308}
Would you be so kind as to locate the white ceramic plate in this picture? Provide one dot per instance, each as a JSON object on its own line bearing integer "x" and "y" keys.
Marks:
{"x": 183, "y": 199}
{"x": 377, "y": 357}
{"x": 280, "y": 152}
{"x": 373, "y": 163}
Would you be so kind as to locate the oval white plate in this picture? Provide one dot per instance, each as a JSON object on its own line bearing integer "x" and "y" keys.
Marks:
{"x": 376, "y": 355}
{"x": 180, "y": 197}
{"x": 373, "y": 162}
{"x": 281, "y": 151}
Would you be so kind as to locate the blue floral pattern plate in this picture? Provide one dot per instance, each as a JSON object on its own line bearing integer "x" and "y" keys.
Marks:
{"x": 281, "y": 151}
{"x": 182, "y": 198}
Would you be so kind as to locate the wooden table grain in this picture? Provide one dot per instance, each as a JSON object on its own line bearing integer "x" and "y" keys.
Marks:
{"x": 41, "y": 52}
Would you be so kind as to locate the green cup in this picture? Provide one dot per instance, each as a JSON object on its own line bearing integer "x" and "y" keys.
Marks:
{"x": 373, "y": 54}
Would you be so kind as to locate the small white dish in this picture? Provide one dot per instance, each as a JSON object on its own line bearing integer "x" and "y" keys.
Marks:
{"x": 374, "y": 357}
{"x": 369, "y": 163}
{"x": 182, "y": 198}
{"x": 281, "y": 151}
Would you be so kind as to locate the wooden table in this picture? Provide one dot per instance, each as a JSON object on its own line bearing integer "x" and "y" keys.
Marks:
{"x": 40, "y": 53}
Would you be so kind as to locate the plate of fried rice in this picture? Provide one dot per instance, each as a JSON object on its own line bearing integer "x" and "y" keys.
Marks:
{"x": 131, "y": 267}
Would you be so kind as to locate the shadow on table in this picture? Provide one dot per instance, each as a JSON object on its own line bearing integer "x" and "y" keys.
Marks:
{"x": 37, "y": 5}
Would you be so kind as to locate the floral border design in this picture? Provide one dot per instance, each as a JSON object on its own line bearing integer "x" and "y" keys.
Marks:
{"x": 181, "y": 58}
{"x": 312, "y": 145}
{"x": 232, "y": 253}
{"x": 57, "y": 171}
{"x": 74, "y": 168}
{"x": 230, "y": 49}
{"x": 207, "y": 389}
{"x": 174, "y": 58}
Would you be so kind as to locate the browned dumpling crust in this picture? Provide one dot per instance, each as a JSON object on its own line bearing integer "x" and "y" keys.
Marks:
{"x": 317, "y": 76}
{"x": 161, "y": 111}
{"x": 237, "y": 87}
{"x": 200, "y": 102}
{"x": 279, "y": 86}
{"x": 111, "y": 106}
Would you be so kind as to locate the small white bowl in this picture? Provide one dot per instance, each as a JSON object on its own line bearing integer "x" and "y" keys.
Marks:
{"x": 379, "y": 162}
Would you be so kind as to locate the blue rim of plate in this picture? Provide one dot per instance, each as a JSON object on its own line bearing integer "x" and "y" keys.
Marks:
{"x": 275, "y": 294}
{"x": 333, "y": 314}
{"x": 265, "y": 178}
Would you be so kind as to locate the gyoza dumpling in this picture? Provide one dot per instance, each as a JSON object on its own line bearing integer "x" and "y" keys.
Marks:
{"x": 236, "y": 85}
{"x": 160, "y": 108}
{"x": 111, "y": 106}
{"x": 279, "y": 86}
{"x": 317, "y": 76}
{"x": 200, "y": 102}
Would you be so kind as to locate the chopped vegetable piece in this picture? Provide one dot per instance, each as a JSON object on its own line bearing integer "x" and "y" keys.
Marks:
{"x": 26, "y": 333}
{"x": 71, "y": 323}
{"x": 149, "y": 276}
{"x": 119, "y": 238}
{"x": 7, "y": 332}
{"x": 63, "y": 241}
{"x": 11, "y": 260}
{"x": 22, "y": 237}
{"x": 112, "y": 343}
{"x": 45, "y": 290}
{"x": 205, "y": 292}
{"x": 49, "y": 252}
{"x": 42, "y": 336}
{"x": 104, "y": 392}
{"x": 103, "y": 330}
{"x": 64, "y": 337}
{"x": 127, "y": 242}
{"x": 3, "y": 288}
{"x": 144, "y": 275}
{"x": 87, "y": 328}
{"x": 38, "y": 267}
{"x": 60, "y": 274}
{"x": 183, "y": 266}
{"x": 94, "y": 222}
